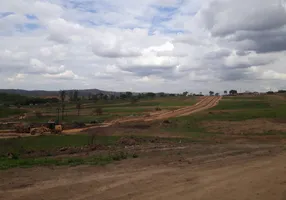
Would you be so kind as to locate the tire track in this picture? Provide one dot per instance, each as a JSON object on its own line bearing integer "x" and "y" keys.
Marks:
{"x": 205, "y": 103}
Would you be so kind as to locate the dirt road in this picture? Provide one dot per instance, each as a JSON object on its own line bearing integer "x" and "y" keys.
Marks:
{"x": 198, "y": 173}
{"x": 203, "y": 104}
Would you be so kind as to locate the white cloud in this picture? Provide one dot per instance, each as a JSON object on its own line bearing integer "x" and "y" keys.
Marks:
{"x": 17, "y": 77}
{"x": 155, "y": 45}
{"x": 66, "y": 75}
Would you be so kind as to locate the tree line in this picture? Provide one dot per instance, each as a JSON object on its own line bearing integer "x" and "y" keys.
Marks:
{"x": 20, "y": 100}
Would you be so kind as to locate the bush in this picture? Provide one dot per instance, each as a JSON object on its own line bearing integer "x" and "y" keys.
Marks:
{"x": 158, "y": 109}
{"x": 98, "y": 111}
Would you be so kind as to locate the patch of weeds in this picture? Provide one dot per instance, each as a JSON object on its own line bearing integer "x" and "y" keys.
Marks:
{"x": 7, "y": 163}
{"x": 119, "y": 156}
{"x": 272, "y": 132}
{"x": 134, "y": 155}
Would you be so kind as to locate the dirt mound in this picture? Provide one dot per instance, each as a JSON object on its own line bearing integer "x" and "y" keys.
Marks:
{"x": 131, "y": 141}
{"x": 135, "y": 125}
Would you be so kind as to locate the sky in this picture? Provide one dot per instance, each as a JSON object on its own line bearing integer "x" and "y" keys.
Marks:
{"x": 141, "y": 46}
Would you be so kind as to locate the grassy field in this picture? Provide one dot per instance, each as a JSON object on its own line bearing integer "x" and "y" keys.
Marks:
{"x": 231, "y": 109}
{"x": 7, "y": 112}
{"x": 111, "y": 109}
{"x": 231, "y": 113}
{"x": 6, "y": 163}
{"x": 42, "y": 150}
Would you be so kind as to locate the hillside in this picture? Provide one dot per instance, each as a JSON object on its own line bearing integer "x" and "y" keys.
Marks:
{"x": 44, "y": 93}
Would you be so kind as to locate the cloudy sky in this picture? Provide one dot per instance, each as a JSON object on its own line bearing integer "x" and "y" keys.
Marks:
{"x": 145, "y": 45}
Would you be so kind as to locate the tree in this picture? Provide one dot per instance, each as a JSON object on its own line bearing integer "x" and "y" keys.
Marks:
{"x": 225, "y": 92}
{"x": 63, "y": 94}
{"x": 233, "y": 92}
{"x": 70, "y": 95}
{"x": 217, "y": 94}
{"x": 123, "y": 96}
{"x": 98, "y": 111}
{"x": 134, "y": 100}
{"x": 185, "y": 93}
{"x": 162, "y": 94}
{"x": 89, "y": 96}
{"x": 150, "y": 94}
{"x": 112, "y": 97}
{"x": 101, "y": 95}
{"x": 211, "y": 93}
{"x": 94, "y": 98}
{"x": 105, "y": 97}
{"x": 78, "y": 107}
{"x": 75, "y": 95}
{"x": 129, "y": 94}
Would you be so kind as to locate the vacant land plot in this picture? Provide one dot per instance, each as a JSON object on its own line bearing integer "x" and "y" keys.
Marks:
{"x": 111, "y": 109}
{"x": 217, "y": 153}
{"x": 225, "y": 171}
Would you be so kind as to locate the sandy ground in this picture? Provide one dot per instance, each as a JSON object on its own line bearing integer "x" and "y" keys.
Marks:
{"x": 197, "y": 172}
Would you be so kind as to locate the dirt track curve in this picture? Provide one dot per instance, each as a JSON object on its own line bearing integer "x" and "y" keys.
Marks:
{"x": 203, "y": 104}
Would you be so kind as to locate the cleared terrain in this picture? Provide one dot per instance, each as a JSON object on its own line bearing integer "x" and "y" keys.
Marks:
{"x": 204, "y": 148}
{"x": 228, "y": 171}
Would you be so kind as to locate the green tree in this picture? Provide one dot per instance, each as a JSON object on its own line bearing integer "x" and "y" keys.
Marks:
{"x": 89, "y": 96}
{"x": 78, "y": 107}
{"x": 233, "y": 92}
{"x": 100, "y": 95}
{"x": 134, "y": 100}
{"x": 123, "y": 96}
{"x": 63, "y": 94}
{"x": 211, "y": 93}
{"x": 75, "y": 95}
{"x": 185, "y": 93}
{"x": 112, "y": 97}
{"x": 105, "y": 97}
{"x": 70, "y": 95}
{"x": 94, "y": 98}
{"x": 129, "y": 94}
{"x": 98, "y": 111}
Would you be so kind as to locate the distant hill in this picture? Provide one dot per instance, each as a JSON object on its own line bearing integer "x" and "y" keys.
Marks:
{"x": 44, "y": 93}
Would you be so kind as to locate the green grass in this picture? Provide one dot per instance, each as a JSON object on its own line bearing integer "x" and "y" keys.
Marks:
{"x": 7, "y": 163}
{"x": 20, "y": 145}
{"x": 267, "y": 107}
{"x": 260, "y": 97}
{"x": 72, "y": 118}
{"x": 229, "y": 105}
{"x": 7, "y": 112}
{"x": 111, "y": 110}
{"x": 187, "y": 126}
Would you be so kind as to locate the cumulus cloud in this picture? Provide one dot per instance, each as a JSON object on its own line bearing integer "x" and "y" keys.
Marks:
{"x": 67, "y": 75}
{"x": 261, "y": 28}
{"x": 154, "y": 45}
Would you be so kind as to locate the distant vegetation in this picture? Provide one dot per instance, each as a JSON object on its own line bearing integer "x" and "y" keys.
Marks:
{"x": 6, "y": 112}
{"x": 20, "y": 100}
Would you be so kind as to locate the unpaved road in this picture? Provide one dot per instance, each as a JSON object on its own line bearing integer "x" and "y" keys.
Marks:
{"x": 203, "y": 104}
{"x": 246, "y": 173}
